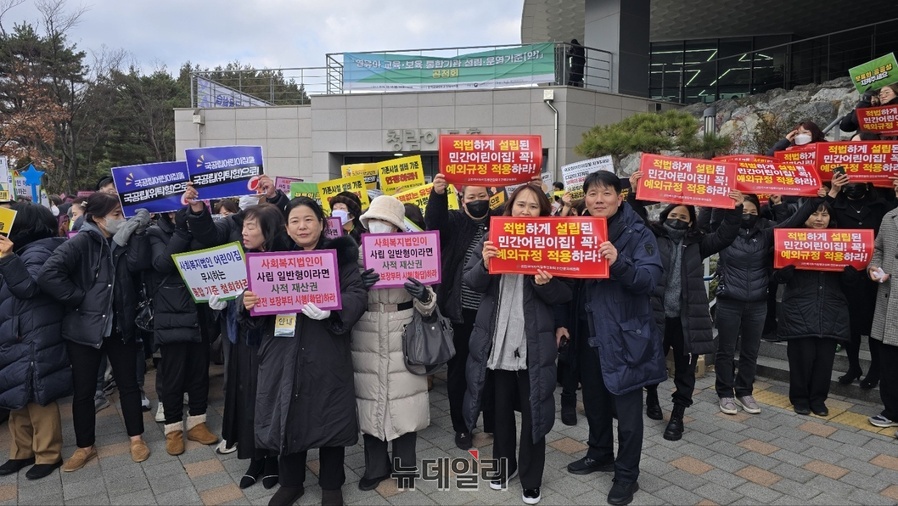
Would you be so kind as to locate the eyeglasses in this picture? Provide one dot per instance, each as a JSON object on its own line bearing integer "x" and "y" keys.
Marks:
{"x": 886, "y": 91}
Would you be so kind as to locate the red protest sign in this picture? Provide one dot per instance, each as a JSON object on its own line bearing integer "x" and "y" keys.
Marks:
{"x": 743, "y": 158}
{"x": 686, "y": 181}
{"x": 490, "y": 160}
{"x": 397, "y": 257}
{"x": 565, "y": 247}
{"x": 865, "y": 162}
{"x": 777, "y": 179}
{"x": 881, "y": 120}
{"x": 798, "y": 155}
{"x": 286, "y": 281}
{"x": 827, "y": 249}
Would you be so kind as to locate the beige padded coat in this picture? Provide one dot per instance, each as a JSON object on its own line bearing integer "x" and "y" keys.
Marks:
{"x": 391, "y": 401}
{"x": 885, "y": 255}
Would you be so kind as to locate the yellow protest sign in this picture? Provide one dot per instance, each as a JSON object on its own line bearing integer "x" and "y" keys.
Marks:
{"x": 497, "y": 200}
{"x": 4, "y": 196}
{"x": 7, "y": 217}
{"x": 368, "y": 171}
{"x": 419, "y": 196}
{"x": 400, "y": 173}
{"x": 354, "y": 184}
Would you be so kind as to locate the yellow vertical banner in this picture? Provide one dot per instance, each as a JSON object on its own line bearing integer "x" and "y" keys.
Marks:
{"x": 421, "y": 195}
{"x": 400, "y": 173}
{"x": 368, "y": 171}
{"x": 354, "y": 184}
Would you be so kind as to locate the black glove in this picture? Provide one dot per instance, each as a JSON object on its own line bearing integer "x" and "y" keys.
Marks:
{"x": 417, "y": 290}
{"x": 785, "y": 274}
{"x": 369, "y": 278}
{"x": 181, "y": 221}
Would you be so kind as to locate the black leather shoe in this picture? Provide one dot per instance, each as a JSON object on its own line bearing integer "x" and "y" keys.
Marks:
{"x": 39, "y": 471}
{"x": 463, "y": 440}
{"x": 869, "y": 384}
{"x": 674, "y": 430}
{"x": 14, "y": 465}
{"x": 820, "y": 411}
{"x": 802, "y": 410}
{"x": 569, "y": 409}
{"x": 587, "y": 465}
{"x": 286, "y": 496}
{"x": 849, "y": 377}
{"x": 622, "y": 493}
{"x": 366, "y": 484}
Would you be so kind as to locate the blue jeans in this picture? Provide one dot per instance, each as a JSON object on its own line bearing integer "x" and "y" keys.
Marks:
{"x": 735, "y": 319}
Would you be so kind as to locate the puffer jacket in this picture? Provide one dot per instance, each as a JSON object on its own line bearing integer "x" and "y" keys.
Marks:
{"x": 305, "y": 396}
{"x": 94, "y": 279}
{"x": 814, "y": 305}
{"x": 539, "y": 328}
{"x": 34, "y": 366}
{"x": 695, "y": 317}
{"x": 391, "y": 400}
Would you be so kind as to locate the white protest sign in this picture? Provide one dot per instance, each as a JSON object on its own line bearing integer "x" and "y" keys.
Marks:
{"x": 575, "y": 173}
{"x": 217, "y": 271}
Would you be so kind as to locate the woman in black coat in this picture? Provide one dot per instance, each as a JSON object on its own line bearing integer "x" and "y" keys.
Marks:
{"x": 814, "y": 320}
{"x": 514, "y": 338}
{"x": 34, "y": 367}
{"x": 680, "y": 300}
{"x": 93, "y": 274}
{"x": 306, "y": 392}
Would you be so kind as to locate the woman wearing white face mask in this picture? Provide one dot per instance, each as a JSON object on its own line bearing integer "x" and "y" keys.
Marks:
{"x": 393, "y": 403}
{"x": 805, "y": 133}
{"x": 92, "y": 274}
{"x": 348, "y": 208}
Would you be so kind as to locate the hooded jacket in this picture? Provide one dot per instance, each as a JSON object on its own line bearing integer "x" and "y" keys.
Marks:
{"x": 34, "y": 365}
{"x": 94, "y": 279}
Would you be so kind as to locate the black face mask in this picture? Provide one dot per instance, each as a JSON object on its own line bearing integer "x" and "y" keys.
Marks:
{"x": 478, "y": 208}
{"x": 749, "y": 221}
{"x": 855, "y": 191}
{"x": 676, "y": 224}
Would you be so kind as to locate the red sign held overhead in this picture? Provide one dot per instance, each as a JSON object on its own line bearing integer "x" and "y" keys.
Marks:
{"x": 743, "y": 158}
{"x": 798, "y": 155}
{"x": 865, "y": 162}
{"x": 686, "y": 181}
{"x": 827, "y": 249}
{"x": 567, "y": 247}
{"x": 777, "y": 179}
{"x": 490, "y": 160}
{"x": 881, "y": 120}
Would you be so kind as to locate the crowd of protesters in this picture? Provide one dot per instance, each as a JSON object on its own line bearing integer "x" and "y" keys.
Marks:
{"x": 68, "y": 307}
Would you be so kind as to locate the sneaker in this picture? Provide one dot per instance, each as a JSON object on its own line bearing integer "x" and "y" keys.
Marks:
{"x": 160, "y": 414}
{"x": 882, "y": 421}
{"x": 463, "y": 440}
{"x": 531, "y": 496}
{"x": 100, "y": 402}
{"x": 498, "y": 483}
{"x": 747, "y": 403}
{"x": 728, "y": 406}
{"x": 144, "y": 402}
{"x": 224, "y": 449}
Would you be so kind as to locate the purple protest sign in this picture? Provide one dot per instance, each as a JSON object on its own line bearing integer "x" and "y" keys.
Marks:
{"x": 285, "y": 282}
{"x": 334, "y": 228}
{"x": 397, "y": 257}
{"x": 70, "y": 234}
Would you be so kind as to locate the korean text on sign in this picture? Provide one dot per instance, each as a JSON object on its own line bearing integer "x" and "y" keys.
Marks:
{"x": 219, "y": 271}
{"x": 397, "y": 257}
{"x": 865, "y": 162}
{"x": 400, "y": 173}
{"x": 777, "y": 178}
{"x": 686, "y": 181}
{"x": 560, "y": 246}
{"x": 822, "y": 249}
{"x": 7, "y": 217}
{"x": 881, "y": 120}
{"x": 353, "y": 184}
{"x": 157, "y": 187}
{"x": 284, "y": 282}
{"x": 490, "y": 160}
{"x": 225, "y": 171}
{"x": 334, "y": 228}
{"x": 575, "y": 173}
{"x": 804, "y": 155}
{"x": 421, "y": 195}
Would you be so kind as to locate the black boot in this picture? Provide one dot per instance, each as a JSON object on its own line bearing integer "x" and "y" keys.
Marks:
{"x": 270, "y": 476}
{"x": 286, "y": 496}
{"x": 652, "y": 406}
{"x": 332, "y": 497}
{"x": 674, "y": 430}
{"x": 852, "y": 374}
{"x": 569, "y": 409}
{"x": 256, "y": 466}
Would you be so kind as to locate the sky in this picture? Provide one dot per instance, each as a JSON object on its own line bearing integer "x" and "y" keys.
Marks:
{"x": 277, "y": 33}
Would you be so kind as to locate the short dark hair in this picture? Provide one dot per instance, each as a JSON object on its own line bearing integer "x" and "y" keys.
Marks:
{"x": 271, "y": 221}
{"x": 751, "y": 197}
{"x": 33, "y": 223}
{"x": 414, "y": 214}
{"x": 227, "y": 204}
{"x": 545, "y": 207}
{"x": 558, "y": 185}
{"x": 100, "y": 204}
{"x": 602, "y": 178}
{"x": 103, "y": 181}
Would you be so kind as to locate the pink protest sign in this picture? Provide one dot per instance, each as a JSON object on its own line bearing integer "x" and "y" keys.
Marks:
{"x": 283, "y": 183}
{"x": 285, "y": 282}
{"x": 70, "y": 234}
{"x": 334, "y": 228}
{"x": 397, "y": 257}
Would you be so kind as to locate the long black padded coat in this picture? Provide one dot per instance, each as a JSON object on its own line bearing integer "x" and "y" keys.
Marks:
{"x": 34, "y": 365}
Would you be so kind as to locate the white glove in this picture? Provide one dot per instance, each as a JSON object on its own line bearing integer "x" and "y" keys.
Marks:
{"x": 216, "y": 303}
{"x": 312, "y": 311}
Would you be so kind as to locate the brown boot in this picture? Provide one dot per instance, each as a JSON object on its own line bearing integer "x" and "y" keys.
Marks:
{"x": 174, "y": 438}
{"x": 197, "y": 430}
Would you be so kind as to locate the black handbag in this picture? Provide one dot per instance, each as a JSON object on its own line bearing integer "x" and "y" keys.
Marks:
{"x": 427, "y": 343}
{"x": 145, "y": 313}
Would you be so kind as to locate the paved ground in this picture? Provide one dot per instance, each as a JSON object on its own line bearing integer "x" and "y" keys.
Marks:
{"x": 776, "y": 457}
